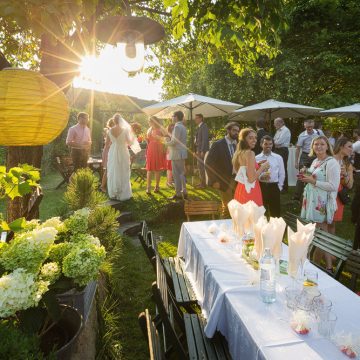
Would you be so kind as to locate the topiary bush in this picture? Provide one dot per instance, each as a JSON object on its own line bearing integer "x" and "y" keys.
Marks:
{"x": 83, "y": 191}
{"x": 103, "y": 224}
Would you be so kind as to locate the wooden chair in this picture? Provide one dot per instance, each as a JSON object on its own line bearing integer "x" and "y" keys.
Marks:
{"x": 33, "y": 204}
{"x": 198, "y": 345}
{"x": 291, "y": 219}
{"x": 353, "y": 266}
{"x": 137, "y": 167}
{"x": 151, "y": 334}
{"x": 30, "y": 212}
{"x": 65, "y": 166}
{"x": 201, "y": 207}
{"x": 174, "y": 270}
{"x": 148, "y": 243}
{"x": 334, "y": 245}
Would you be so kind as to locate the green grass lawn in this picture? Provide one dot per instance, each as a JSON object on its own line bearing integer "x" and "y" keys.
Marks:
{"x": 134, "y": 275}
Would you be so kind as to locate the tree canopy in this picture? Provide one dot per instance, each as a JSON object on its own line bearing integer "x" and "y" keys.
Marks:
{"x": 319, "y": 63}
{"x": 53, "y": 35}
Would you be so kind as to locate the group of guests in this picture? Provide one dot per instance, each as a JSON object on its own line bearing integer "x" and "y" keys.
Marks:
{"x": 167, "y": 150}
{"x": 325, "y": 172}
{"x": 246, "y": 165}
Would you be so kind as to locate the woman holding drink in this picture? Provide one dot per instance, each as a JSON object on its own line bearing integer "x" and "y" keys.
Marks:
{"x": 248, "y": 171}
{"x": 322, "y": 182}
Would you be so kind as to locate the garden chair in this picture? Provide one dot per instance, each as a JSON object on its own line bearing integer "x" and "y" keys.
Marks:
{"x": 201, "y": 207}
{"x": 137, "y": 167}
{"x": 152, "y": 336}
{"x": 198, "y": 345}
{"x": 174, "y": 269}
{"x": 33, "y": 204}
{"x": 148, "y": 243}
{"x": 65, "y": 166}
{"x": 291, "y": 219}
{"x": 334, "y": 245}
{"x": 353, "y": 266}
{"x": 31, "y": 210}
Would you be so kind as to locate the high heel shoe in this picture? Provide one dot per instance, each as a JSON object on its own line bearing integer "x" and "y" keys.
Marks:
{"x": 157, "y": 189}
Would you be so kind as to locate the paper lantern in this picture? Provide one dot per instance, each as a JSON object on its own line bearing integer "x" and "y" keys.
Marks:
{"x": 33, "y": 109}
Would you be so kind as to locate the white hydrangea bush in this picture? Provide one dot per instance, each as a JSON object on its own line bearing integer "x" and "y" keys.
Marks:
{"x": 20, "y": 290}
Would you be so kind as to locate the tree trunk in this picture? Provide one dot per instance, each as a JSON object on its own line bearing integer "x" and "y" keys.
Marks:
{"x": 20, "y": 155}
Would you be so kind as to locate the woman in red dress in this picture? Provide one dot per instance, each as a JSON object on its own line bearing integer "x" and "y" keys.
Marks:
{"x": 342, "y": 153}
{"x": 247, "y": 171}
{"x": 155, "y": 153}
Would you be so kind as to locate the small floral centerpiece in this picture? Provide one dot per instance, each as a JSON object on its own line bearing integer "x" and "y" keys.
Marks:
{"x": 300, "y": 322}
{"x": 248, "y": 241}
{"x": 348, "y": 344}
{"x": 44, "y": 259}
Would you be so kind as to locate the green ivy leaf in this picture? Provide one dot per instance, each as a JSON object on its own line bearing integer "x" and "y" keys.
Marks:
{"x": 4, "y": 226}
{"x": 17, "y": 224}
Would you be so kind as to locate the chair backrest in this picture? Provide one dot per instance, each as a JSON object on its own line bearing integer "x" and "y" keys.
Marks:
{"x": 151, "y": 334}
{"x": 64, "y": 165}
{"x": 33, "y": 204}
{"x": 334, "y": 245}
{"x": 291, "y": 219}
{"x": 201, "y": 207}
{"x": 353, "y": 266}
{"x": 168, "y": 311}
{"x": 148, "y": 243}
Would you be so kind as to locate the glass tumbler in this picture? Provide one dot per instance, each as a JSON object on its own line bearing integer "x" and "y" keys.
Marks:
{"x": 326, "y": 324}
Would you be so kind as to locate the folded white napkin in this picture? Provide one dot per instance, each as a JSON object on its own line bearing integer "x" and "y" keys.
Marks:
{"x": 299, "y": 243}
{"x": 272, "y": 235}
{"x": 239, "y": 216}
{"x": 255, "y": 212}
{"x": 258, "y": 243}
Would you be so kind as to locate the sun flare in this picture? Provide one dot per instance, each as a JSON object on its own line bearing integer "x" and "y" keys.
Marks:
{"x": 104, "y": 73}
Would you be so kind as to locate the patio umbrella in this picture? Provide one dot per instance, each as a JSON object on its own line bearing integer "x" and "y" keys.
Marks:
{"x": 191, "y": 104}
{"x": 271, "y": 109}
{"x": 351, "y": 111}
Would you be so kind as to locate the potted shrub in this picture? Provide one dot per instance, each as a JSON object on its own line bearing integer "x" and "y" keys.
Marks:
{"x": 42, "y": 260}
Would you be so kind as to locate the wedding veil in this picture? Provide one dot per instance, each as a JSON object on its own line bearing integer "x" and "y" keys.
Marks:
{"x": 131, "y": 137}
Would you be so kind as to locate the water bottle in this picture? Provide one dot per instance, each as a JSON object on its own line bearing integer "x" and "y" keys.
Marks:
{"x": 267, "y": 277}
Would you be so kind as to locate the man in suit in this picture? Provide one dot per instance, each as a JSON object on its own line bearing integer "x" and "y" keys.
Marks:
{"x": 260, "y": 132}
{"x": 202, "y": 146}
{"x": 219, "y": 166}
{"x": 178, "y": 154}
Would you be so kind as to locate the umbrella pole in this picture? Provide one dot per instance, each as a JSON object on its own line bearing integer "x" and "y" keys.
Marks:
{"x": 191, "y": 147}
{"x": 270, "y": 127}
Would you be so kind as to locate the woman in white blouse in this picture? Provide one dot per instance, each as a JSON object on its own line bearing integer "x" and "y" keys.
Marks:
{"x": 319, "y": 200}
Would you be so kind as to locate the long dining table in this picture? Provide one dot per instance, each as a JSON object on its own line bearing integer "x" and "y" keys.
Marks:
{"x": 228, "y": 292}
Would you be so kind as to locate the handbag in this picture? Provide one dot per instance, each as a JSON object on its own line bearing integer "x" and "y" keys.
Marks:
{"x": 344, "y": 196}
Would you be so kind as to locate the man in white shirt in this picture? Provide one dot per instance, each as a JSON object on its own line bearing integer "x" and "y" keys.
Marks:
{"x": 355, "y": 205}
{"x": 271, "y": 181}
{"x": 303, "y": 145}
{"x": 282, "y": 141}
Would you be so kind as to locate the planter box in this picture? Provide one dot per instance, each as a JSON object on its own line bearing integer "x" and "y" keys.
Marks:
{"x": 82, "y": 300}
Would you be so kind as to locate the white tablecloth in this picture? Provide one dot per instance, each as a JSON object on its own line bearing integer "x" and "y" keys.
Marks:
{"x": 292, "y": 172}
{"x": 228, "y": 292}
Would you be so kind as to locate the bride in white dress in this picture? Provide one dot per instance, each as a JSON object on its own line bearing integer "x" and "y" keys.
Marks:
{"x": 121, "y": 137}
